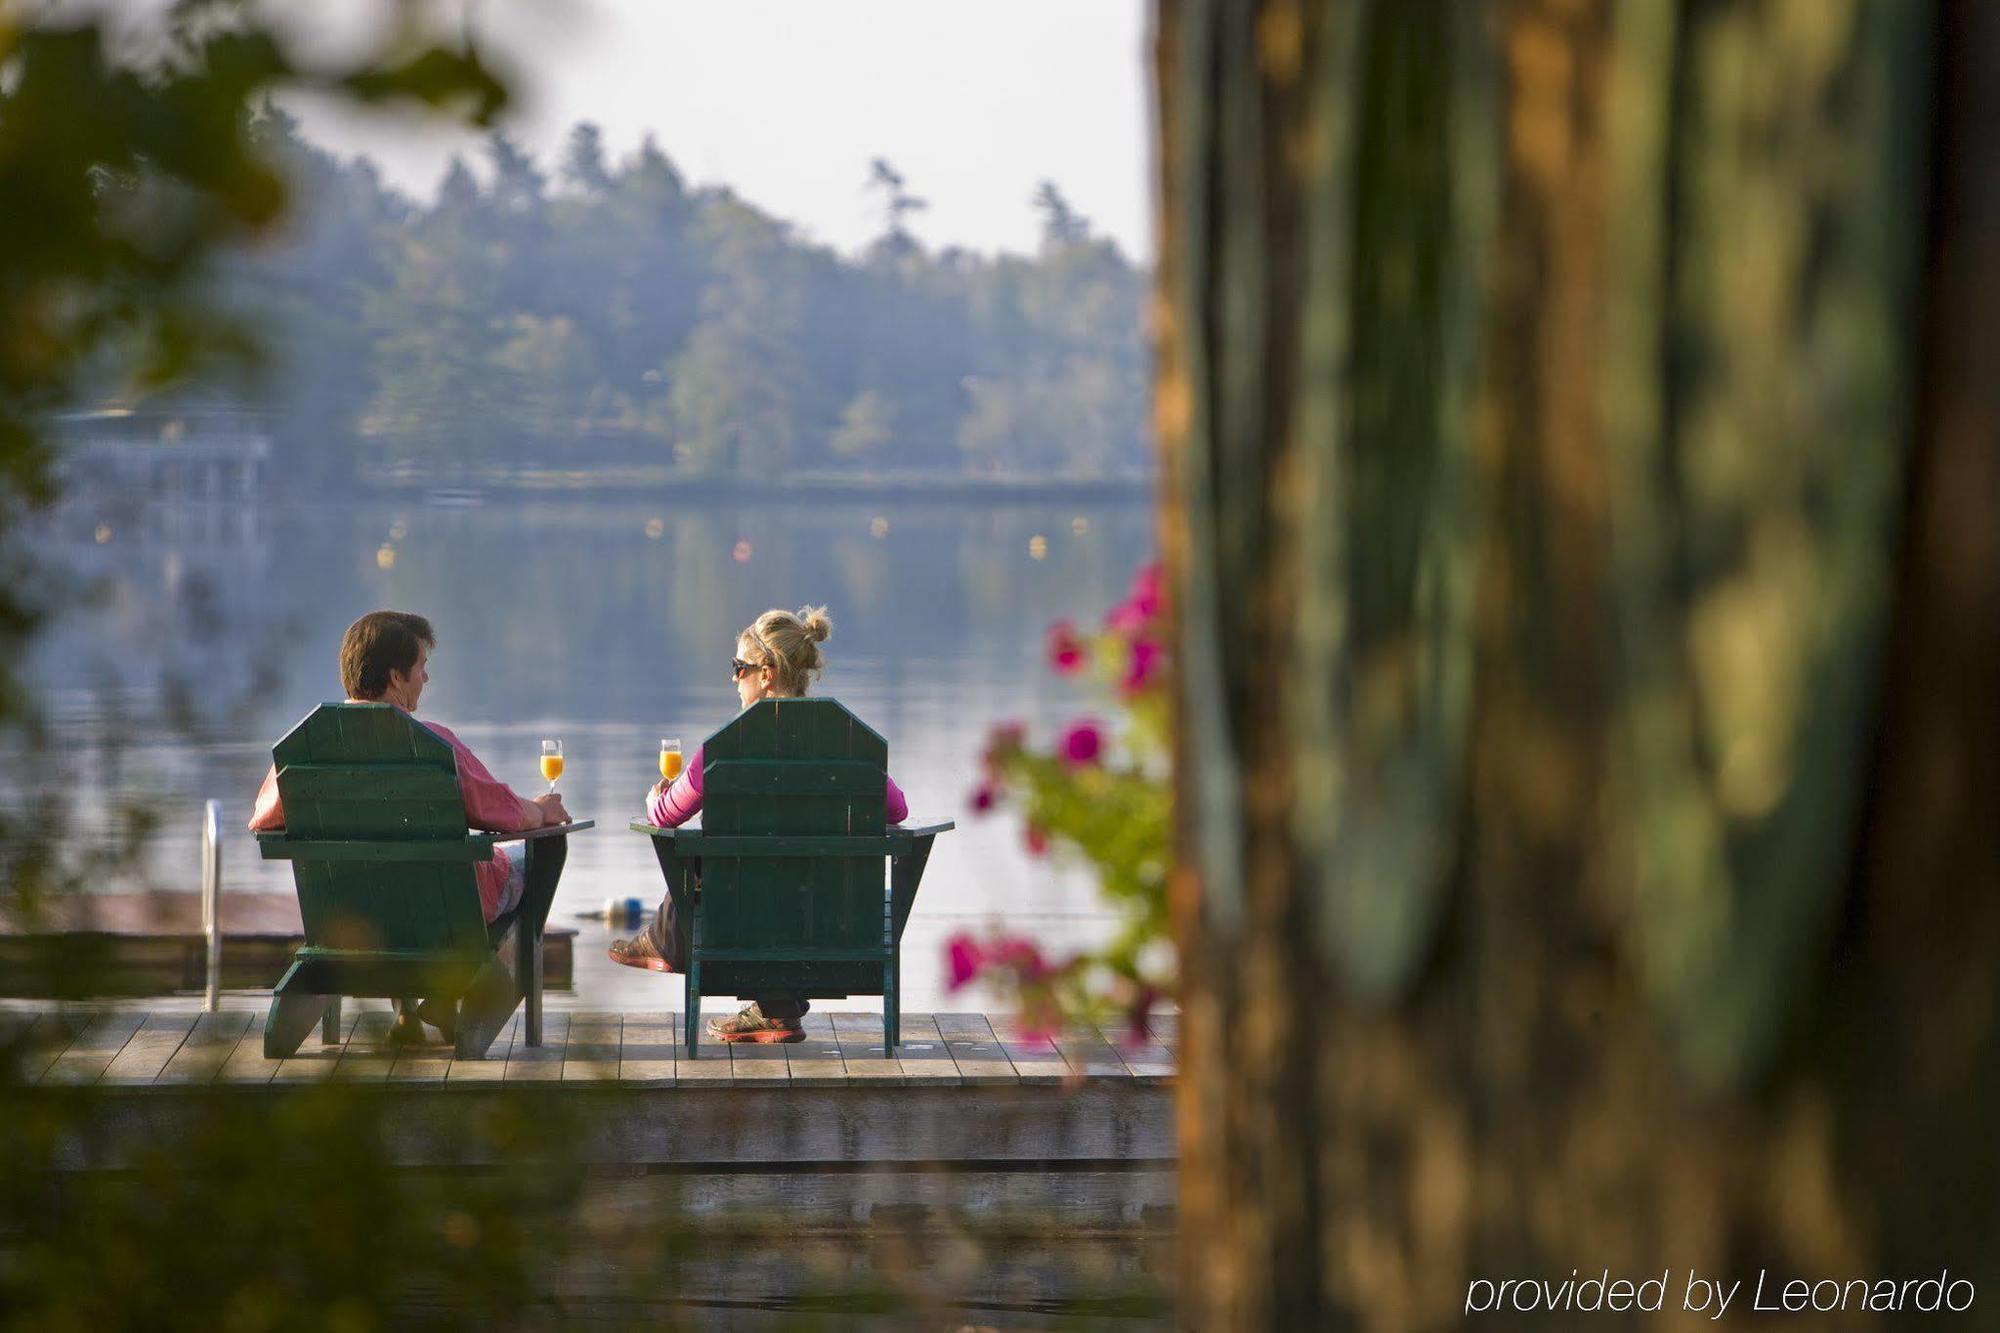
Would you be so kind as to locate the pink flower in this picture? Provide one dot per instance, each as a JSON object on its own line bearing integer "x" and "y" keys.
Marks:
{"x": 965, "y": 961}
{"x": 1136, "y": 1015}
{"x": 1037, "y": 839}
{"x": 1023, "y": 956}
{"x": 1141, "y": 606}
{"x": 982, "y": 797}
{"x": 1082, "y": 744}
{"x": 1147, "y": 658}
{"x": 1064, "y": 647}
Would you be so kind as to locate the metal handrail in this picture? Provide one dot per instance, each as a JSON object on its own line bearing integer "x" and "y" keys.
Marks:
{"x": 211, "y": 901}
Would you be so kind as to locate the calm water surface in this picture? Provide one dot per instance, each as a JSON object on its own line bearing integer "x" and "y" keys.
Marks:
{"x": 607, "y": 623}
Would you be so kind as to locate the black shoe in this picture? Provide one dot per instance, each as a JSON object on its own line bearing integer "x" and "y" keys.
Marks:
{"x": 442, "y": 1016}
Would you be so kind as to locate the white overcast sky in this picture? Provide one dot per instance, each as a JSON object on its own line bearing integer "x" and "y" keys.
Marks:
{"x": 786, "y": 101}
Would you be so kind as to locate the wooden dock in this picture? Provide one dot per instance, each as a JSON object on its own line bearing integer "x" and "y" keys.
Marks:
{"x": 130, "y": 1046}
{"x": 1053, "y": 1161}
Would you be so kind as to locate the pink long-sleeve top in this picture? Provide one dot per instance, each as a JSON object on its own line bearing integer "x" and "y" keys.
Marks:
{"x": 490, "y": 805}
{"x": 677, "y": 804}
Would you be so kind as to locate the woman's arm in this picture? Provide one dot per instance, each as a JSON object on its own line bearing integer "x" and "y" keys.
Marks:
{"x": 672, "y": 805}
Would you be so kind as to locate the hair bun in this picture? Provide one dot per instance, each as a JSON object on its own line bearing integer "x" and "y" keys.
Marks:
{"x": 816, "y": 623}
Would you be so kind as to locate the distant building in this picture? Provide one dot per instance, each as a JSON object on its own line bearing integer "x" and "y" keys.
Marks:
{"x": 185, "y": 451}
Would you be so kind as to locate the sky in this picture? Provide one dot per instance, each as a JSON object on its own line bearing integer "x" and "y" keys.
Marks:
{"x": 787, "y": 101}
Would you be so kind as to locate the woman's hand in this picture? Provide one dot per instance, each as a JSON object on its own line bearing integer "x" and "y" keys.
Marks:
{"x": 654, "y": 794}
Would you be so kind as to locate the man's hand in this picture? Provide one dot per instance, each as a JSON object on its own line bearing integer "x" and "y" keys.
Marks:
{"x": 552, "y": 810}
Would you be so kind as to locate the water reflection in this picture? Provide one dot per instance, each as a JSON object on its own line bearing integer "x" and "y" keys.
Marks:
{"x": 608, "y": 623}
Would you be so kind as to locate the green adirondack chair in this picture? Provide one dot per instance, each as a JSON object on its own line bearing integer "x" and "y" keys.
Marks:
{"x": 375, "y": 831}
{"x": 791, "y": 847}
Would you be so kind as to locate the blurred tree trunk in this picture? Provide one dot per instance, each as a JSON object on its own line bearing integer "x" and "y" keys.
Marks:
{"x": 1582, "y": 498}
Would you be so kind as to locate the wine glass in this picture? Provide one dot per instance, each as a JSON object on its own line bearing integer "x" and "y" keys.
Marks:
{"x": 670, "y": 758}
{"x": 552, "y": 761}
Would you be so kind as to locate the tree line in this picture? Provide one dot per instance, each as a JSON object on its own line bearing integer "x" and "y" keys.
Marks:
{"x": 606, "y": 311}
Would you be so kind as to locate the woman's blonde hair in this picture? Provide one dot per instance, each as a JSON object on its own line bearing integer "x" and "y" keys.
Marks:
{"x": 788, "y": 642}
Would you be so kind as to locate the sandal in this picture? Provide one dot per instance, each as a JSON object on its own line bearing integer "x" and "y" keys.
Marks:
{"x": 639, "y": 952}
{"x": 751, "y": 1025}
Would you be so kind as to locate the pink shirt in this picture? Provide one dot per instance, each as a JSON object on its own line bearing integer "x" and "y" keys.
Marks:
{"x": 490, "y": 804}
{"x": 682, "y": 801}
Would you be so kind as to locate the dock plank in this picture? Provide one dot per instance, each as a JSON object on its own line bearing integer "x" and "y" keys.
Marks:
{"x": 539, "y": 1064}
{"x": 429, "y": 1063}
{"x": 590, "y": 1055}
{"x": 207, "y": 1048}
{"x": 1036, "y": 1059}
{"x": 85, "y": 1059}
{"x": 246, "y": 1063}
{"x": 1165, "y": 1027}
{"x": 757, "y": 1062}
{"x": 922, "y": 1052}
{"x": 315, "y": 1059}
{"x": 860, "y": 1037}
{"x": 1148, "y": 1061}
{"x": 648, "y": 1049}
{"x": 816, "y": 1062}
{"x": 149, "y": 1051}
{"x": 709, "y": 1063}
{"x": 975, "y": 1049}
{"x": 367, "y": 1057}
{"x": 491, "y": 1069}
{"x": 46, "y": 1039}
{"x": 1088, "y": 1054}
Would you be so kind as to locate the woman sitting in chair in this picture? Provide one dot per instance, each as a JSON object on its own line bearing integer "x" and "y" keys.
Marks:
{"x": 776, "y": 658}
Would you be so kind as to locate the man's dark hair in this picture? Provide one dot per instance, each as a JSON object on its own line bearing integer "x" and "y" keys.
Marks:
{"x": 378, "y": 643}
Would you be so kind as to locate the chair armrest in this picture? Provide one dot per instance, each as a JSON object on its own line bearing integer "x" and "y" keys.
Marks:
{"x": 648, "y": 827}
{"x": 547, "y": 831}
{"x": 925, "y": 827}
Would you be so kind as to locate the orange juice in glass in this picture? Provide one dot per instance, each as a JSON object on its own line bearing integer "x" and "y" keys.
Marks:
{"x": 670, "y": 759}
{"x": 552, "y": 761}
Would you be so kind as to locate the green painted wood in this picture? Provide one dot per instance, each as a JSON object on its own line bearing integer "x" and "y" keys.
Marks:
{"x": 834, "y": 778}
{"x": 793, "y": 893}
{"x": 383, "y": 863}
{"x": 806, "y": 847}
{"x": 476, "y": 847}
{"x": 400, "y": 781}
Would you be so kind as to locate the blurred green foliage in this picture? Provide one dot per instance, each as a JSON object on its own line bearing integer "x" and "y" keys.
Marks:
{"x": 124, "y": 183}
{"x": 273, "y": 1212}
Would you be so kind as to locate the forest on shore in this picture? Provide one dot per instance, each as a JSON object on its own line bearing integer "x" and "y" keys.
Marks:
{"x": 593, "y": 312}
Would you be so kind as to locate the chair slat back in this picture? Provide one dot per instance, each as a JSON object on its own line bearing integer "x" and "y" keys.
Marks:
{"x": 370, "y": 773}
{"x": 794, "y": 767}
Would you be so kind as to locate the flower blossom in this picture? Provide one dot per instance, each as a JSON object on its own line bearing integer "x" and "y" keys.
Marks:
{"x": 1064, "y": 647}
{"x": 1141, "y": 605}
{"x": 1144, "y": 666}
{"x": 1082, "y": 744}
{"x": 965, "y": 961}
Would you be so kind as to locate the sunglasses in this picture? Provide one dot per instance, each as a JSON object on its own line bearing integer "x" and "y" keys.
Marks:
{"x": 738, "y": 668}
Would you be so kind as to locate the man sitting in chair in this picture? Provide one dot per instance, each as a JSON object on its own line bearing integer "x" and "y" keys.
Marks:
{"x": 384, "y": 658}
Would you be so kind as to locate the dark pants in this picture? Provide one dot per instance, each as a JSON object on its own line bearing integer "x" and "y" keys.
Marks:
{"x": 785, "y": 1006}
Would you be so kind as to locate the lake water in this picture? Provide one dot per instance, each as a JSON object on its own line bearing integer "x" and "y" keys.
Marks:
{"x": 608, "y": 623}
